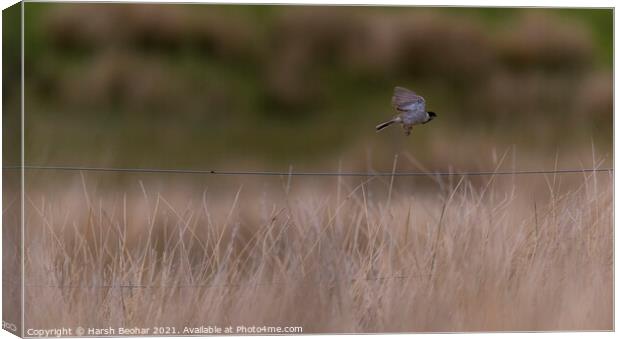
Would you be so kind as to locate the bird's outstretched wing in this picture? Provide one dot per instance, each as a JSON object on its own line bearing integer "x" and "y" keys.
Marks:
{"x": 404, "y": 97}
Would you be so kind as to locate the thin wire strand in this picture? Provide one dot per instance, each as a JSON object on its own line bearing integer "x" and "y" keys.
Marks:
{"x": 276, "y": 173}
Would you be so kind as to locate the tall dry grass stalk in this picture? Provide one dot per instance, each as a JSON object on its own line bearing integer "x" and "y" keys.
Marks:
{"x": 531, "y": 253}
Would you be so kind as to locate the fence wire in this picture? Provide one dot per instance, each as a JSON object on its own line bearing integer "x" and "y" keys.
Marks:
{"x": 292, "y": 173}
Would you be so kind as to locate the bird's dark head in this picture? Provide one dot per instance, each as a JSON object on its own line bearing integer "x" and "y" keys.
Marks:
{"x": 431, "y": 116}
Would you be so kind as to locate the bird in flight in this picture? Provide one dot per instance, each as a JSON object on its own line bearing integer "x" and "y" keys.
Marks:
{"x": 411, "y": 108}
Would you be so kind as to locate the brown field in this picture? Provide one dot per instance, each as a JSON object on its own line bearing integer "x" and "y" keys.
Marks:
{"x": 348, "y": 255}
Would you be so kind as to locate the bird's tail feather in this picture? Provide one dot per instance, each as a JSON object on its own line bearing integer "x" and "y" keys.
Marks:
{"x": 385, "y": 124}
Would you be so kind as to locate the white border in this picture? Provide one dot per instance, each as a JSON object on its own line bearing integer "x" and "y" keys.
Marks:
{"x": 425, "y": 3}
{"x": 472, "y": 3}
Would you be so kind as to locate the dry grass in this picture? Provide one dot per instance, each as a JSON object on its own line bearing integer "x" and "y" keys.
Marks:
{"x": 378, "y": 255}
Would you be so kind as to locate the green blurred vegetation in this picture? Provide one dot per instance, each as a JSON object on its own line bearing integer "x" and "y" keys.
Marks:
{"x": 204, "y": 85}
{"x": 11, "y": 84}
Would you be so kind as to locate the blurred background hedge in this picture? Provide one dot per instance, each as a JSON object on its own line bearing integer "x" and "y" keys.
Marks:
{"x": 204, "y": 86}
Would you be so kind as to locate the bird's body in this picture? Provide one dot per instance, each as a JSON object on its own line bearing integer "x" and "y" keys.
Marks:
{"x": 411, "y": 108}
